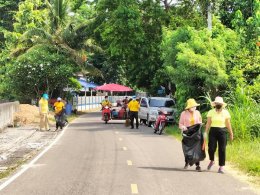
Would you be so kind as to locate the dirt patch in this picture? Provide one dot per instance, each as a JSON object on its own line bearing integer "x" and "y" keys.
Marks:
{"x": 28, "y": 114}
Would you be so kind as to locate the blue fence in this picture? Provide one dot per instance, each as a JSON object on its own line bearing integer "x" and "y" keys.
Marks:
{"x": 85, "y": 103}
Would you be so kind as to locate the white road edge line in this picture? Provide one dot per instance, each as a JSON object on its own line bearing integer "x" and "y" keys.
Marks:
{"x": 11, "y": 179}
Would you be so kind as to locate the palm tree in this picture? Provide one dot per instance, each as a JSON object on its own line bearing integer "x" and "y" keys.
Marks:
{"x": 62, "y": 35}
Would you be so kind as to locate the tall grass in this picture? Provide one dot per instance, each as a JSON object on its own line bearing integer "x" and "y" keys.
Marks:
{"x": 245, "y": 115}
{"x": 246, "y": 156}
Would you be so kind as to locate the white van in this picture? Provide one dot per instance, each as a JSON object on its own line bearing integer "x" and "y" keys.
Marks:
{"x": 149, "y": 108}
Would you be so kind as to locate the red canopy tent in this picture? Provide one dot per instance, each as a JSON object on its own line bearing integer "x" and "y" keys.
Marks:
{"x": 113, "y": 87}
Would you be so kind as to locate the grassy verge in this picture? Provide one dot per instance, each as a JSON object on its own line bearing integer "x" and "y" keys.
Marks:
{"x": 244, "y": 155}
{"x": 72, "y": 117}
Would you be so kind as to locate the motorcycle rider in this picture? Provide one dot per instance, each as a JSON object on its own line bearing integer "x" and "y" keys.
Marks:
{"x": 106, "y": 102}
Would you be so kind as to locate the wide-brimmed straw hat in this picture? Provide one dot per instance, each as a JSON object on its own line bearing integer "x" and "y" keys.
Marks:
{"x": 218, "y": 100}
{"x": 191, "y": 103}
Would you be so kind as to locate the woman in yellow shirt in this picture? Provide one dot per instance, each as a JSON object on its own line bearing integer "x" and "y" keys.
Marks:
{"x": 218, "y": 121}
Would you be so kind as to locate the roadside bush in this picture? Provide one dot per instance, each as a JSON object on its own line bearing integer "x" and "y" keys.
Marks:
{"x": 245, "y": 114}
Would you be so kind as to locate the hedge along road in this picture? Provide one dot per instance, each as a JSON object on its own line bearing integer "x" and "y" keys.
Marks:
{"x": 96, "y": 158}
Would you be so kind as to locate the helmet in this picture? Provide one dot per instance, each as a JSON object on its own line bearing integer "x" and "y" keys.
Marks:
{"x": 45, "y": 96}
{"x": 59, "y": 99}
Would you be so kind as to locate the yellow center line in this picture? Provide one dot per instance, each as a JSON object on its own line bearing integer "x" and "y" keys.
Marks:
{"x": 124, "y": 148}
{"x": 134, "y": 189}
{"x": 129, "y": 162}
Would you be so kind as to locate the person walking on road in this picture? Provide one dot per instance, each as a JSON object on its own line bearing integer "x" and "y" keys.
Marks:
{"x": 133, "y": 109}
{"x": 59, "y": 107}
{"x": 218, "y": 122}
{"x": 190, "y": 116}
{"x": 44, "y": 111}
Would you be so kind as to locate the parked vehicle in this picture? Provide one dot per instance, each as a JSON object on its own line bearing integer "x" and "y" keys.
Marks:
{"x": 149, "y": 109}
{"x": 161, "y": 122}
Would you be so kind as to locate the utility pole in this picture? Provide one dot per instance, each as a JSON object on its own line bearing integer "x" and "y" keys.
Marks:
{"x": 210, "y": 16}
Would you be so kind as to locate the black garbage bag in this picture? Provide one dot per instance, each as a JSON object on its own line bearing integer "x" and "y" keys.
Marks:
{"x": 192, "y": 144}
{"x": 61, "y": 119}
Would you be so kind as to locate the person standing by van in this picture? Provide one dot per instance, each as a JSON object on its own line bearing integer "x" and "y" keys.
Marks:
{"x": 133, "y": 109}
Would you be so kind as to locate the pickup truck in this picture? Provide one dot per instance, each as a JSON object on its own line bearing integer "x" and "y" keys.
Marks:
{"x": 149, "y": 108}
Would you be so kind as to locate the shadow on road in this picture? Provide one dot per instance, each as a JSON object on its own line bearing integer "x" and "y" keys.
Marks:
{"x": 170, "y": 169}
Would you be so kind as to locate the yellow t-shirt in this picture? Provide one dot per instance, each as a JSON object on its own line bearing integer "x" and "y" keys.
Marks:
{"x": 218, "y": 119}
{"x": 134, "y": 106}
{"x": 43, "y": 104}
{"x": 106, "y": 103}
{"x": 58, "y": 107}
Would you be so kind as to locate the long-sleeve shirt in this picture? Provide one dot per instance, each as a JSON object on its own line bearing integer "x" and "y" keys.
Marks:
{"x": 188, "y": 119}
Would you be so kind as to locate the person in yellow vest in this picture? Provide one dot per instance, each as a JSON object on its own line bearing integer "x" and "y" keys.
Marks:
{"x": 44, "y": 111}
{"x": 134, "y": 108}
{"x": 59, "y": 107}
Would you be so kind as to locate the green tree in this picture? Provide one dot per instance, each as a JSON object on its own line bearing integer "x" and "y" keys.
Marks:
{"x": 7, "y": 10}
{"x": 34, "y": 73}
{"x": 196, "y": 61}
{"x": 146, "y": 60}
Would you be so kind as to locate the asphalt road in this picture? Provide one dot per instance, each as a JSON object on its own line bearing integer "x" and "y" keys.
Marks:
{"x": 93, "y": 158}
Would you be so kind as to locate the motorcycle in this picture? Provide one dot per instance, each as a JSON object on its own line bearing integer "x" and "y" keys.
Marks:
{"x": 106, "y": 114}
{"x": 160, "y": 122}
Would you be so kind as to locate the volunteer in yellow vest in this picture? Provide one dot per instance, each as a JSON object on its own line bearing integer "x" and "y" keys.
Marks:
{"x": 218, "y": 121}
{"x": 106, "y": 102}
{"x": 44, "y": 111}
{"x": 58, "y": 109}
{"x": 134, "y": 108}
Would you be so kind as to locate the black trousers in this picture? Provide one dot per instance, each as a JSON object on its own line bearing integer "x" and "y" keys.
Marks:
{"x": 218, "y": 136}
{"x": 134, "y": 115}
